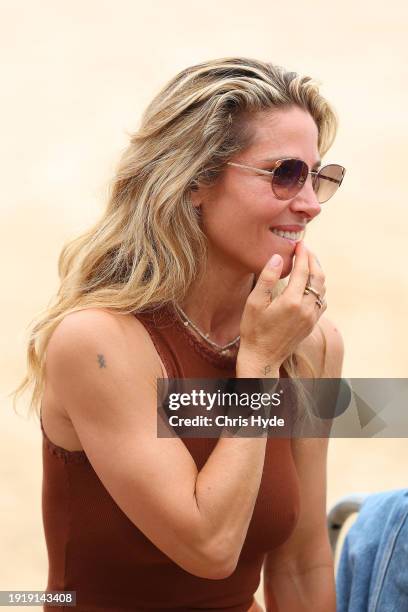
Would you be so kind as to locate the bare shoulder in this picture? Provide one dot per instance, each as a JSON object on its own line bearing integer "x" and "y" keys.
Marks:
{"x": 91, "y": 321}
{"x": 98, "y": 334}
{"x": 324, "y": 347}
{"x": 102, "y": 328}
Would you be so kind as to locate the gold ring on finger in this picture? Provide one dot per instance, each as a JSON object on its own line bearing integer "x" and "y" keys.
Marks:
{"x": 309, "y": 289}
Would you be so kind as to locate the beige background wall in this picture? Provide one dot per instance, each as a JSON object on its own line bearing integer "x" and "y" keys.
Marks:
{"x": 76, "y": 77}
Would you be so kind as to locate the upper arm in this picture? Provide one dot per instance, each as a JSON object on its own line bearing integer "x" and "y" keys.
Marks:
{"x": 309, "y": 540}
{"x": 108, "y": 386}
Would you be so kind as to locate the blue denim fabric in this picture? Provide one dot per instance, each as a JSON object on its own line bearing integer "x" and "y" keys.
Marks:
{"x": 372, "y": 574}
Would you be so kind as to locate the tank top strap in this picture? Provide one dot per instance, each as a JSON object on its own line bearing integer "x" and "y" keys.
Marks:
{"x": 157, "y": 323}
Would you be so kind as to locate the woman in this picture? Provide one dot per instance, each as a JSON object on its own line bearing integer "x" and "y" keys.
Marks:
{"x": 173, "y": 282}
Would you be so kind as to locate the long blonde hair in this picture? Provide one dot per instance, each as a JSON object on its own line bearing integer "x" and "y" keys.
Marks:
{"x": 147, "y": 247}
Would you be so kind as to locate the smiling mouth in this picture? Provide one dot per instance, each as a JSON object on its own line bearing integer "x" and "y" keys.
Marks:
{"x": 294, "y": 236}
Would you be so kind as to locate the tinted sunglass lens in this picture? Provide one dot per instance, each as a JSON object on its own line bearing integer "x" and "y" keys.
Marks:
{"x": 328, "y": 181}
{"x": 289, "y": 178}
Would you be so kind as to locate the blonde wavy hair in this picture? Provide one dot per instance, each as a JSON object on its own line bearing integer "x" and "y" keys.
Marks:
{"x": 148, "y": 247}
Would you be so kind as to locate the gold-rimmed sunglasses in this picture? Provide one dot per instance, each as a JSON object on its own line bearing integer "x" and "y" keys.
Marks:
{"x": 289, "y": 176}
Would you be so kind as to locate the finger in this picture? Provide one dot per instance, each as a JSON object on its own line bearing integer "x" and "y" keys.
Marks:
{"x": 320, "y": 304}
{"x": 300, "y": 272}
{"x": 261, "y": 294}
{"x": 316, "y": 275}
{"x": 321, "y": 309}
{"x": 321, "y": 292}
{"x": 314, "y": 302}
{"x": 315, "y": 280}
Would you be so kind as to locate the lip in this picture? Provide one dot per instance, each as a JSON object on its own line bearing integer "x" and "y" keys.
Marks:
{"x": 292, "y": 242}
{"x": 289, "y": 228}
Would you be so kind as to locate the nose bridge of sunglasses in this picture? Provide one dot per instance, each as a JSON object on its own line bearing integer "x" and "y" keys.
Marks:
{"x": 313, "y": 185}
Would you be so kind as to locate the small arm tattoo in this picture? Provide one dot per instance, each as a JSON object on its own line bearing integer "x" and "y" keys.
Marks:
{"x": 101, "y": 360}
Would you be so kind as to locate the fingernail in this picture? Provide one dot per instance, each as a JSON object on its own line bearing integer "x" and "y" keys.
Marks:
{"x": 274, "y": 261}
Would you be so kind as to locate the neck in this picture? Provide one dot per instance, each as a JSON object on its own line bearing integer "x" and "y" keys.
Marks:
{"x": 216, "y": 305}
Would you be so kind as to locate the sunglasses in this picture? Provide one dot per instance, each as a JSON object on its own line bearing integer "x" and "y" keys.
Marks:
{"x": 289, "y": 176}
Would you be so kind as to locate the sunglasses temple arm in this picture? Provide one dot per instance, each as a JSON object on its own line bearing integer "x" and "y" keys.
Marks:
{"x": 329, "y": 178}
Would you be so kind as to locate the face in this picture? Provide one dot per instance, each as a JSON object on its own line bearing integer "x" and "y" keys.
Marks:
{"x": 240, "y": 208}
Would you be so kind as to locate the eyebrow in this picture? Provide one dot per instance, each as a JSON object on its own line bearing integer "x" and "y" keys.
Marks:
{"x": 273, "y": 159}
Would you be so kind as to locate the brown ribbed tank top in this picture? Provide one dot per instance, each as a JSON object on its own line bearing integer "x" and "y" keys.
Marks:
{"x": 95, "y": 550}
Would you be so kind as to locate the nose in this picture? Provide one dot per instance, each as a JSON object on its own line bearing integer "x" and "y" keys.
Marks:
{"x": 306, "y": 201}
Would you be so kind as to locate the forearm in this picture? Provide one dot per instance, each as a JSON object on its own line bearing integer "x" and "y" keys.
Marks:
{"x": 227, "y": 488}
{"x": 313, "y": 589}
{"x": 228, "y": 484}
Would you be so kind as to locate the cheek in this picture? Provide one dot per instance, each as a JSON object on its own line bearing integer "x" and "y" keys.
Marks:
{"x": 258, "y": 213}
{"x": 229, "y": 214}
{"x": 237, "y": 220}
{"x": 228, "y": 230}
{"x": 265, "y": 209}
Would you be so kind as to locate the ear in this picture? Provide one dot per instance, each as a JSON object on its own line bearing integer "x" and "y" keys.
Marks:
{"x": 197, "y": 194}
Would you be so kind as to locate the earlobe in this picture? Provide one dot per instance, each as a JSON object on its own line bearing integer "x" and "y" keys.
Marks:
{"x": 200, "y": 194}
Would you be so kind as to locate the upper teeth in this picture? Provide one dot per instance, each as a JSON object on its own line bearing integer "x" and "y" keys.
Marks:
{"x": 291, "y": 235}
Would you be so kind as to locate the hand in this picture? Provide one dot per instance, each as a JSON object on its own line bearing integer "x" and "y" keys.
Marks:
{"x": 271, "y": 329}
